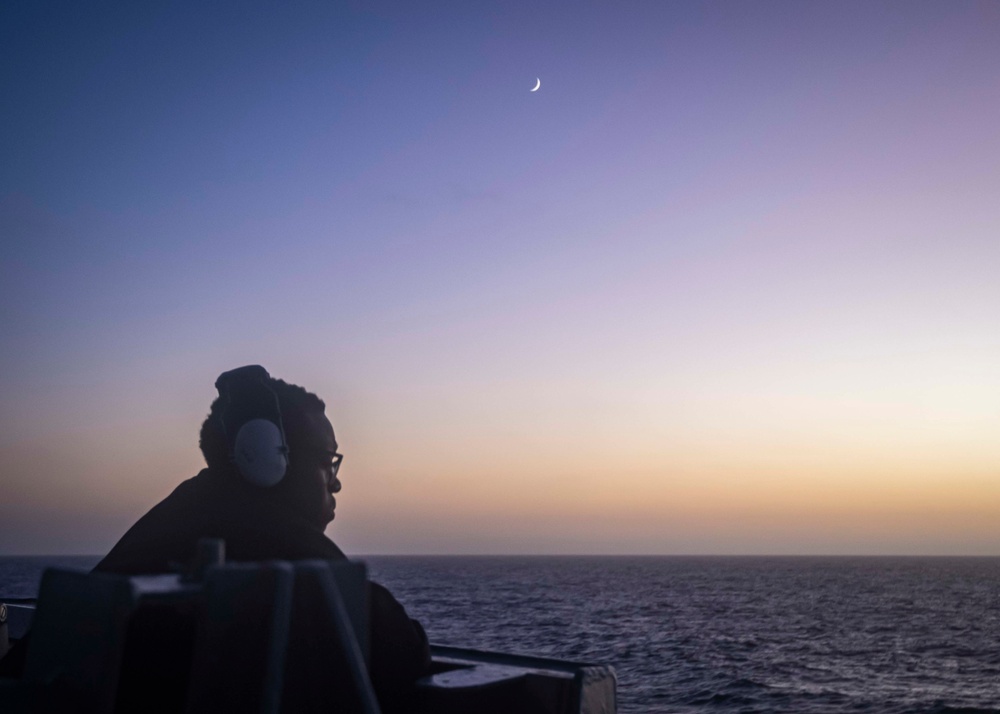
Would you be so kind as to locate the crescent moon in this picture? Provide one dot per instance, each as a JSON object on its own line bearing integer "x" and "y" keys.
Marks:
{"x": 537, "y": 85}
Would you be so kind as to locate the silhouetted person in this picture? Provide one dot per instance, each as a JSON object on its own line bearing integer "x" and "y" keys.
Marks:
{"x": 268, "y": 492}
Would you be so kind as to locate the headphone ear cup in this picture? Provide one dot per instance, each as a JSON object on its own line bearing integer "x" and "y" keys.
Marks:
{"x": 259, "y": 453}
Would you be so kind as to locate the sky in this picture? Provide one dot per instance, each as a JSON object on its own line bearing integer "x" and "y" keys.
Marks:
{"x": 726, "y": 283}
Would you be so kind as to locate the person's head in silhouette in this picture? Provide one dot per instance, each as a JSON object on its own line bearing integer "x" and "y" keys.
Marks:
{"x": 311, "y": 478}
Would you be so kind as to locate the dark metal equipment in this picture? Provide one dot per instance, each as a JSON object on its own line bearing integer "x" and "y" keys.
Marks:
{"x": 252, "y": 637}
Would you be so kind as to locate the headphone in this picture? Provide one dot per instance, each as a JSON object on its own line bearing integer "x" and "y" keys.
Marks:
{"x": 251, "y": 422}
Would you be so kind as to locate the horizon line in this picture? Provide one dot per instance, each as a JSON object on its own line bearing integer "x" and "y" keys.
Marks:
{"x": 579, "y": 555}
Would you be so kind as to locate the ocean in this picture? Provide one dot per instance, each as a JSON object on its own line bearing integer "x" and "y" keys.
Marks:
{"x": 809, "y": 635}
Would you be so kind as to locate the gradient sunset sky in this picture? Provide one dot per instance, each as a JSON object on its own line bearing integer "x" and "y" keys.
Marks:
{"x": 728, "y": 282}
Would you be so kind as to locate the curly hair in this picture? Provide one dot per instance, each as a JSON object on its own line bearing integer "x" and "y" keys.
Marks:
{"x": 293, "y": 401}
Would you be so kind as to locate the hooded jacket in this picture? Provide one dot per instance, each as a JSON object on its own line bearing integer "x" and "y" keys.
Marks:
{"x": 255, "y": 528}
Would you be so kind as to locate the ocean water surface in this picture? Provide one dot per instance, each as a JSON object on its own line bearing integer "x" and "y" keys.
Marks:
{"x": 715, "y": 634}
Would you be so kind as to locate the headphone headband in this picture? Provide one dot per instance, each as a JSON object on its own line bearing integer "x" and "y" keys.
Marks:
{"x": 251, "y": 372}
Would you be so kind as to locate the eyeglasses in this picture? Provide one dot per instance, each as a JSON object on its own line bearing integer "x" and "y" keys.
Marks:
{"x": 334, "y": 466}
{"x": 329, "y": 461}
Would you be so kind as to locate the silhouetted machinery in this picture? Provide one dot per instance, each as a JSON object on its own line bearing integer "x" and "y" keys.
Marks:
{"x": 264, "y": 638}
